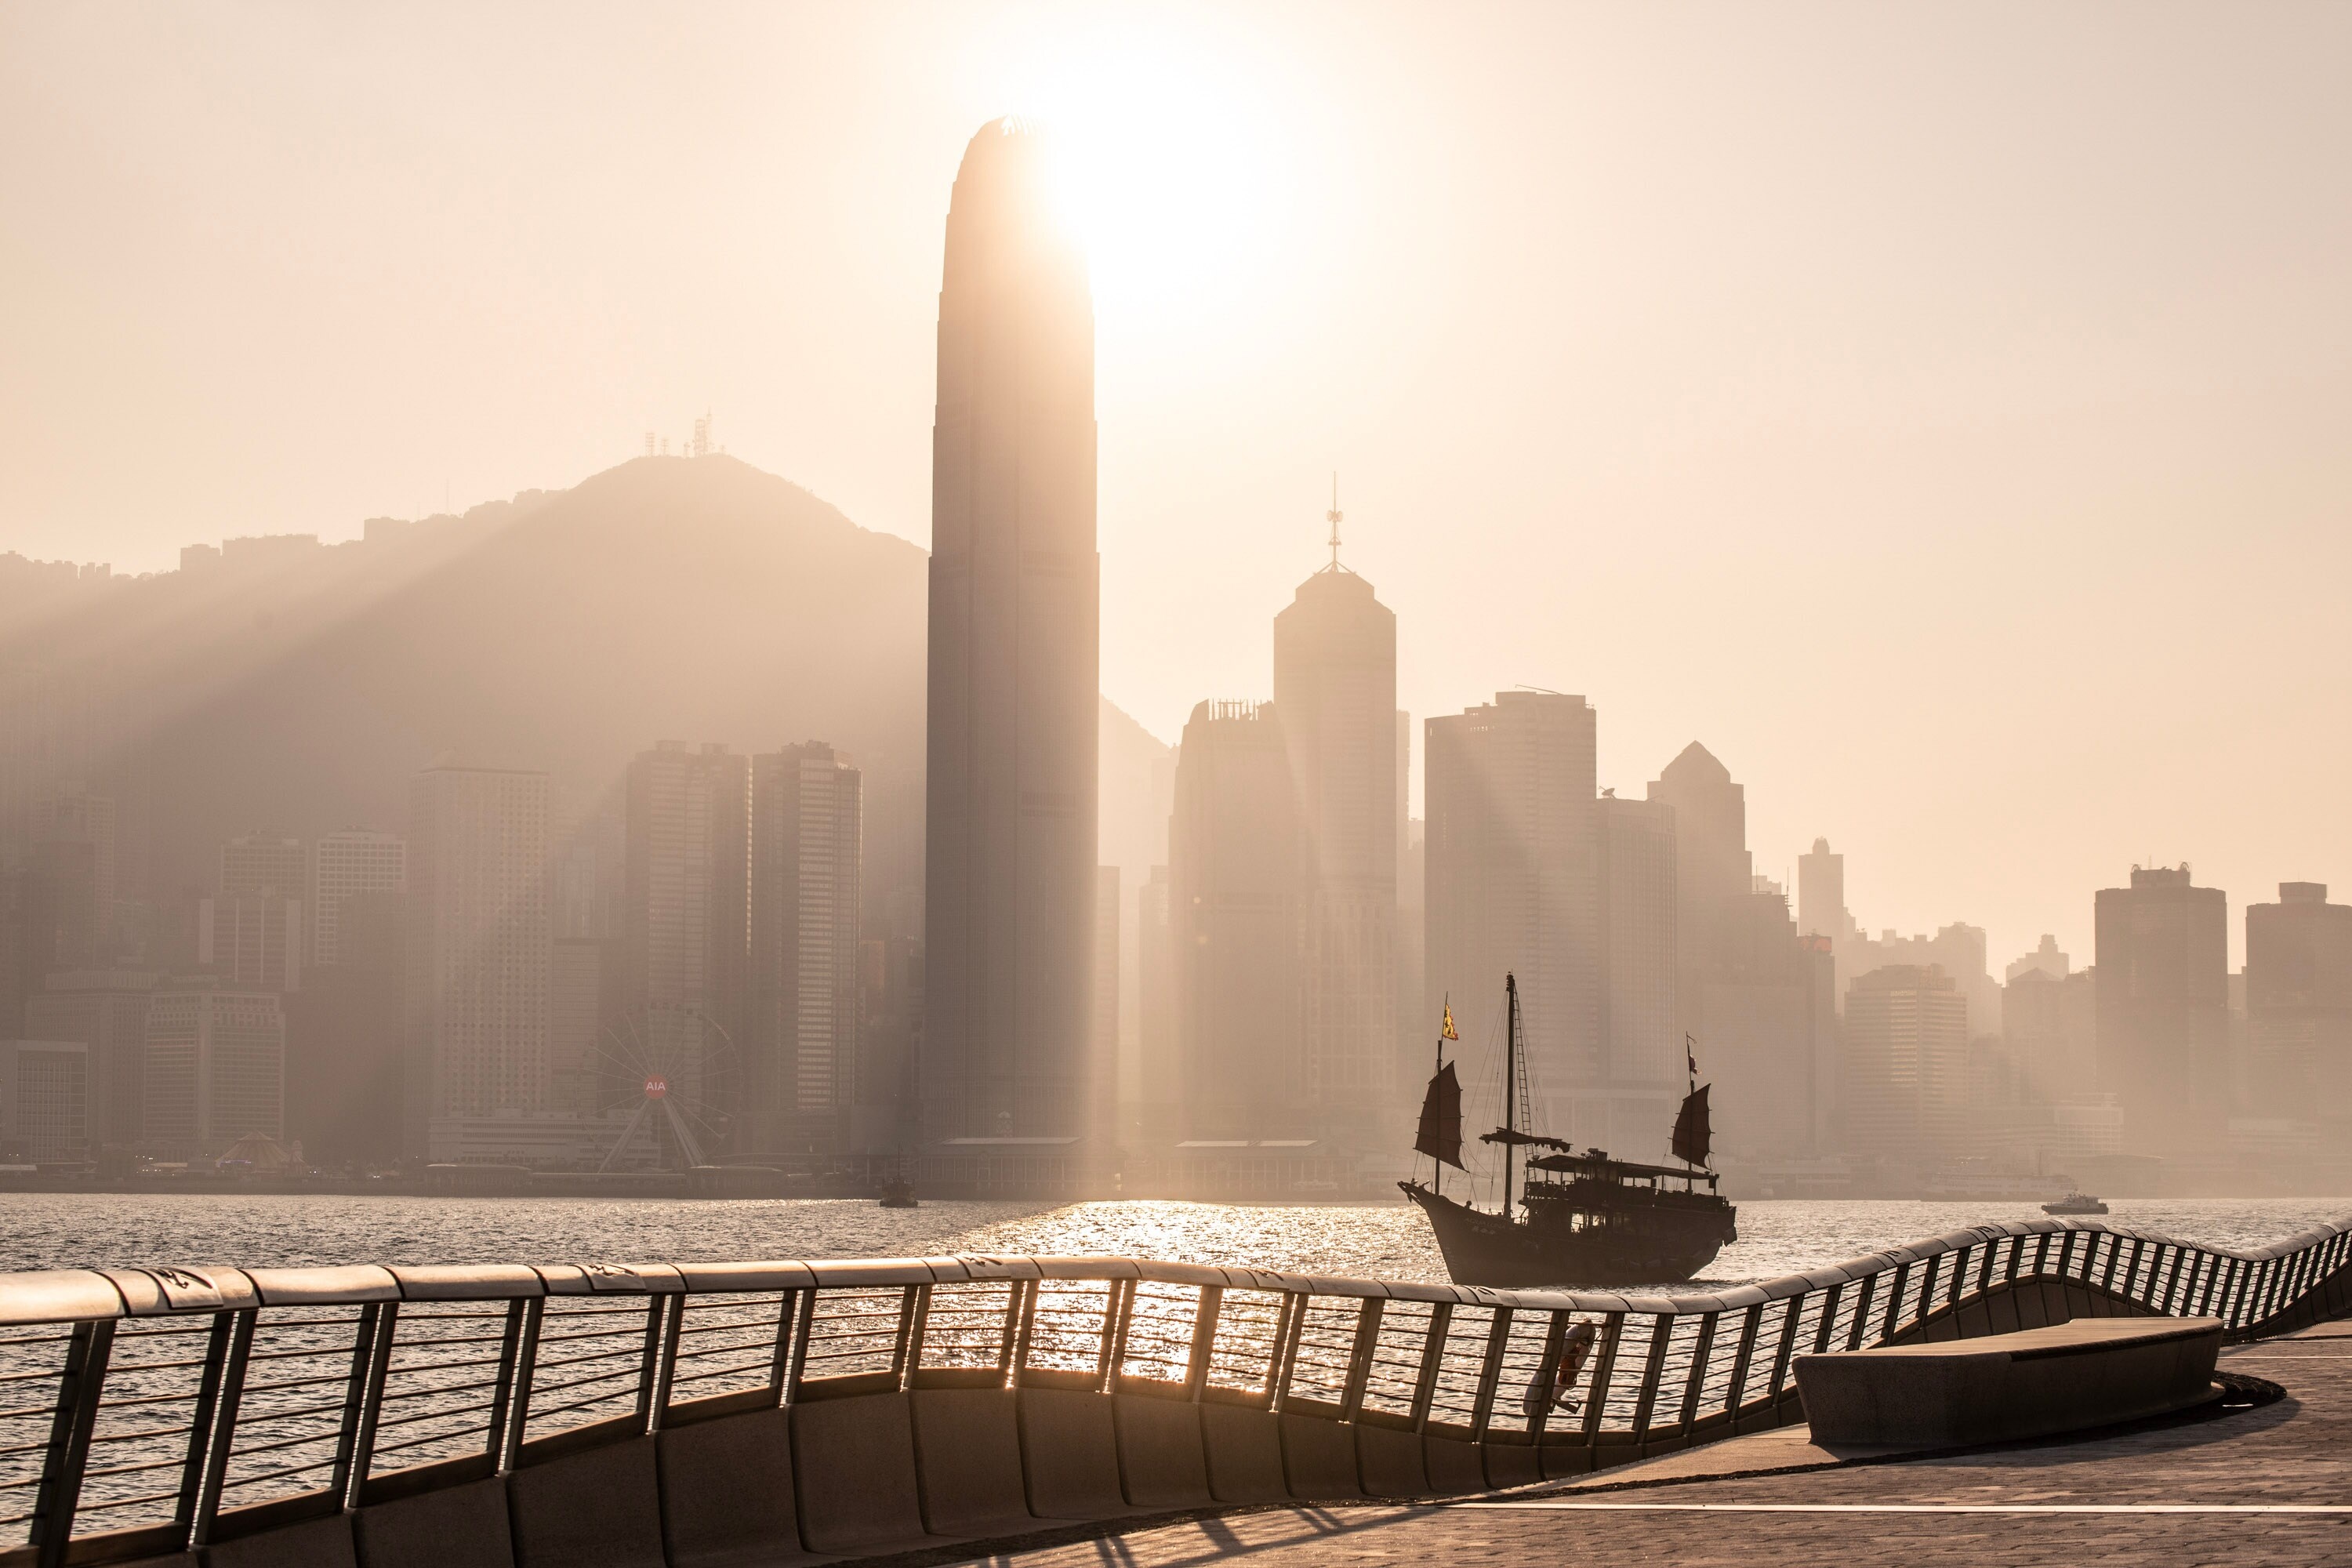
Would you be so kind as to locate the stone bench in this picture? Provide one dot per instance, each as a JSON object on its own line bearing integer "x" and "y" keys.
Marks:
{"x": 2091, "y": 1372}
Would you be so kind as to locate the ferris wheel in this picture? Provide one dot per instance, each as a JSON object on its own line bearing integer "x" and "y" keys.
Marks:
{"x": 666, "y": 1075}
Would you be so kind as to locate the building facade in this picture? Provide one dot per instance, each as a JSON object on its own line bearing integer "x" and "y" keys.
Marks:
{"x": 263, "y": 863}
{"x": 1907, "y": 1064}
{"x": 2164, "y": 1010}
{"x": 45, "y": 1100}
{"x": 343, "y": 865}
{"x": 2299, "y": 1004}
{"x": 215, "y": 1069}
{"x": 1013, "y": 719}
{"x": 807, "y": 886}
{"x": 252, "y": 938}
{"x": 105, "y": 1011}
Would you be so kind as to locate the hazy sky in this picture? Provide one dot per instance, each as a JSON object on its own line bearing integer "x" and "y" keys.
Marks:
{"x": 1941, "y": 412}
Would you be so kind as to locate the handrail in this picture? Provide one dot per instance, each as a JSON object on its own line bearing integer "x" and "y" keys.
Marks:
{"x": 144, "y": 1405}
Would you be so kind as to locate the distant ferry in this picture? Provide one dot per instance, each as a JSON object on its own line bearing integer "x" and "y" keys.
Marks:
{"x": 2075, "y": 1203}
{"x": 1584, "y": 1218}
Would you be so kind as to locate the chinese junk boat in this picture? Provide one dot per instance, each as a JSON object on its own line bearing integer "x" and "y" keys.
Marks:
{"x": 1582, "y": 1219}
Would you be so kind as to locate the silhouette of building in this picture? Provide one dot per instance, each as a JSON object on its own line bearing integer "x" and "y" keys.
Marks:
{"x": 1159, "y": 1061}
{"x": 2299, "y": 1004}
{"x": 344, "y": 864}
{"x": 263, "y": 863}
{"x": 45, "y": 1099}
{"x": 477, "y": 970}
{"x": 2046, "y": 958}
{"x": 1013, "y": 674}
{"x": 1335, "y": 690}
{"x": 80, "y": 817}
{"x": 2164, "y": 1010}
{"x": 1640, "y": 979}
{"x": 344, "y": 1038}
{"x": 104, "y": 1010}
{"x": 2049, "y": 1023}
{"x": 1821, "y": 893}
{"x": 584, "y": 1024}
{"x": 1234, "y": 890}
{"x": 686, "y": 953}
{"x": 808, "y": 842}
{"x": 1906, "y": 1065}
{"x": 1959, "y": 950}
{"x": 216, "y": 1068}
{"x": 252, "y": 938}
{"x": 1103, "y": 1071}
{"x": 1512, "y": 884}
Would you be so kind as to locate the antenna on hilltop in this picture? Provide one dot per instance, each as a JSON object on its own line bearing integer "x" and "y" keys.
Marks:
{"x": 1332, "y": 517}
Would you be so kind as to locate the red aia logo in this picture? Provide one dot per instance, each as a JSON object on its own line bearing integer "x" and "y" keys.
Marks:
{"x": 656, "y": 1087}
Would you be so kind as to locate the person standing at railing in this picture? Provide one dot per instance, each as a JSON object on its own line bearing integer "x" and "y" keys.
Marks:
{"x": 1575, "y": 1349}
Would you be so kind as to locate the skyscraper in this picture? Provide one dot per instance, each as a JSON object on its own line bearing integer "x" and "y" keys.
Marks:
{"x": 687, "y": 949}
{"x": 263, "y": 863}
{"x": 1639, "y": 978}
{"x": 2164, "y": 1009}
{"x": 1906, "y": 1057}
{"x": 1512, "y": 884}
{"x": 215, "y": 1069}
{"x": 478, "y": 947}
{"x": 1013, "y": 670}
{"x": 252, "y": 938}
{"x": 808, "y": 837}
{"x": 1335, "y": 690}
{"x": 1821, "y": 893}
{"x": 2299, "y": 1002}
{"x": 344, "y": 864}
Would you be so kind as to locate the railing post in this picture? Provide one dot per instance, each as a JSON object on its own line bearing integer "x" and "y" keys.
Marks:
{"x": 1927, "y": 1284}
{"x": 1024, "y": 1331}
{"x": 1359, "y": 1357}
{"x": 1828, "y": 1324}
{"x": 79, "y": 1383}
{"x": 661, "y": 1351}
{"x": 2041, "y": 1255}
{"x": 1204, "y": 1341}
{"x": 1743, "y": 1356}
{"x": 2016, "y": 1256}
{"x": 502, "y": 1392}
{"x": 347, "y": 1440}
{"x": 1490, "y": 1374}
{"x": 1895, "y": 1300}
{"x": 1119, "y": 1311}
{"x": 1701, "y": 1353}
{"x": 803, "y": 1320}
{"x": 1861, "y": 1313}
{"x": 1662, "y": 1328}
{"x": 2114, "y": 1251}
{"x": 534, "y": 1309}
{"x": 1281, "y": 1337}
{"x": 913, "y": 1329}
{"x": 200, "y": 1425}
{"x": 1604, "y": 1366}
{"x": 1787, "y": 1347}
{"x": 224, "y": 1425}
{"x": 1432, "y": 1357}
{"x": 1286, "y": 1355}
{"x": 780, "y": 1360}
{"x": 1984, "y": 1266}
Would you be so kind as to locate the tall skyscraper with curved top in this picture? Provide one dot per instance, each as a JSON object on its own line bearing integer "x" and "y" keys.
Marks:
{"x": 1014, "y": 649}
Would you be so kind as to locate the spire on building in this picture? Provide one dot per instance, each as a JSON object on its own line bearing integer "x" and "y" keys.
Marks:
{"x": 1333, "y": 517}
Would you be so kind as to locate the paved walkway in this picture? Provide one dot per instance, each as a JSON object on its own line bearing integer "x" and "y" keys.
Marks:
{"x": 2272, "y": 1485}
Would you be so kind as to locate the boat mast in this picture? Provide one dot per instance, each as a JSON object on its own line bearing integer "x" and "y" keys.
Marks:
{"x": 1510, "y": 1081}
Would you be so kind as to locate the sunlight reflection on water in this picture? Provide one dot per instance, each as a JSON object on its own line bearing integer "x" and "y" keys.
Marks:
{"x": 57, "y": 1230}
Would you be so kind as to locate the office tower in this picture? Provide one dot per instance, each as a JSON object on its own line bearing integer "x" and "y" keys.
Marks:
{"x": 216, "y": 1068}
{"x": 263, "y": 863}
{"x": 77, "y": 818}
{"x": 2164, "y": 1009}
{"x": 1233, "y": 849}
{"x": 2049, "y": 1023}
{"x": 1821, "y": 893}
{"x": 1103, "y": 1070}
{"x": 45, "y": 1094}
{"x": 1713, "y": 868}
{"x": 584, "y": 1004}
{"x": 1417, "y": 1019}
{"x": 478, "y": 946}
{"x": 1512, "y": 885}
{"x": 344, "y": 864}
{"x": 61, "y": 926}
{"x": 891, "y": 1004}
{"x": 1015, "y": 630}
{"x": 808, "y": 839}
{"x": 2046, "y": 958}
{"x": 1640, "y": 981}
{"x": 104, "y": 1010}
{"x": 1906, "y": 1062}
{"x": 1959, "y": 950}
{"x": 1335, "y": 690}
{"x": 2299, "y": 1004}
{"x": 688, "y": 945}
{"x": 252, "y": 938}
{"x": 1157, "y": 1092}
{"x": 344, "y": 1038}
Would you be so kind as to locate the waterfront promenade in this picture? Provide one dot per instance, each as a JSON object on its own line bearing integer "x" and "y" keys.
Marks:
{"x": 2269, "y": 1485}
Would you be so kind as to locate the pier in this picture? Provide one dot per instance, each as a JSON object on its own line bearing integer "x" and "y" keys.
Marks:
{"x": 679, "y": 1416}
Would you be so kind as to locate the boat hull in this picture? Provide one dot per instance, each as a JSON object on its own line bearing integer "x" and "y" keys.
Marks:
{"x": 1483, "y": 1249}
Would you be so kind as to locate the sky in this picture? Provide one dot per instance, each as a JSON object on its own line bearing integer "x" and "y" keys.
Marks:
{"x": 1938, "y": 412}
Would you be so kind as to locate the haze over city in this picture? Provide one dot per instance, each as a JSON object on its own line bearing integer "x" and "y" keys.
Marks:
{"x": 1933, "y": 414}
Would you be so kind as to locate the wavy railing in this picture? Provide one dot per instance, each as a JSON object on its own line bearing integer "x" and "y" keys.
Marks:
{"x": 154, "y": 1410}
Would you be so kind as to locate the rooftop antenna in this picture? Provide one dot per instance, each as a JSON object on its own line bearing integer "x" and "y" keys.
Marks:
{"x": 1332, "y": 517}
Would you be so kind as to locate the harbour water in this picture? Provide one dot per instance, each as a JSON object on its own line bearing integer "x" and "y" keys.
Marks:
{"x": 60, "y": 1230}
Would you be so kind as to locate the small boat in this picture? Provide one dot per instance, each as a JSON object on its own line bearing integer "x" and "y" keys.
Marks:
{"x": 1584, "y": 1218}
{"x": 2075, "y": 1203}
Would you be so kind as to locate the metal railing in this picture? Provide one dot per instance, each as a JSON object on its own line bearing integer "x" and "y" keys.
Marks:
{"x": 143, "y": 1405}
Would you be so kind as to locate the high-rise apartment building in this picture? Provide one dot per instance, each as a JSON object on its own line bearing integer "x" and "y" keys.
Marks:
{"x": 807, "y": 892}
{"x": 2049, "y": 1026}
{"x": 1640, "y": 981}
{"x": 687, "y": 948}
{"x": 79, "y": 817}
{"x": 1233, "y": 927}
{"x": 2047, "y": 958}
{"x": 1512, "y": 883}
{"x": 45, "y": 1095}
{"x": 478, "y": 946}
{"x": 252, "y": 938}
{"x": 2299, "y": 1004}
{"x": 1335, "y": 690}
{"x": 345, "y": 1038}
{"x": 343, "y": 864}
{"x": 216, "y": 1068}
{"x": 105, "y": 1011}
{"x": 263, "y": 863}
{"x": 1907, "y": 1063}
{"x": 583, "y": 1007}
{"x": 1015, "y": 661}
{"x": 2164, "y": 1009}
